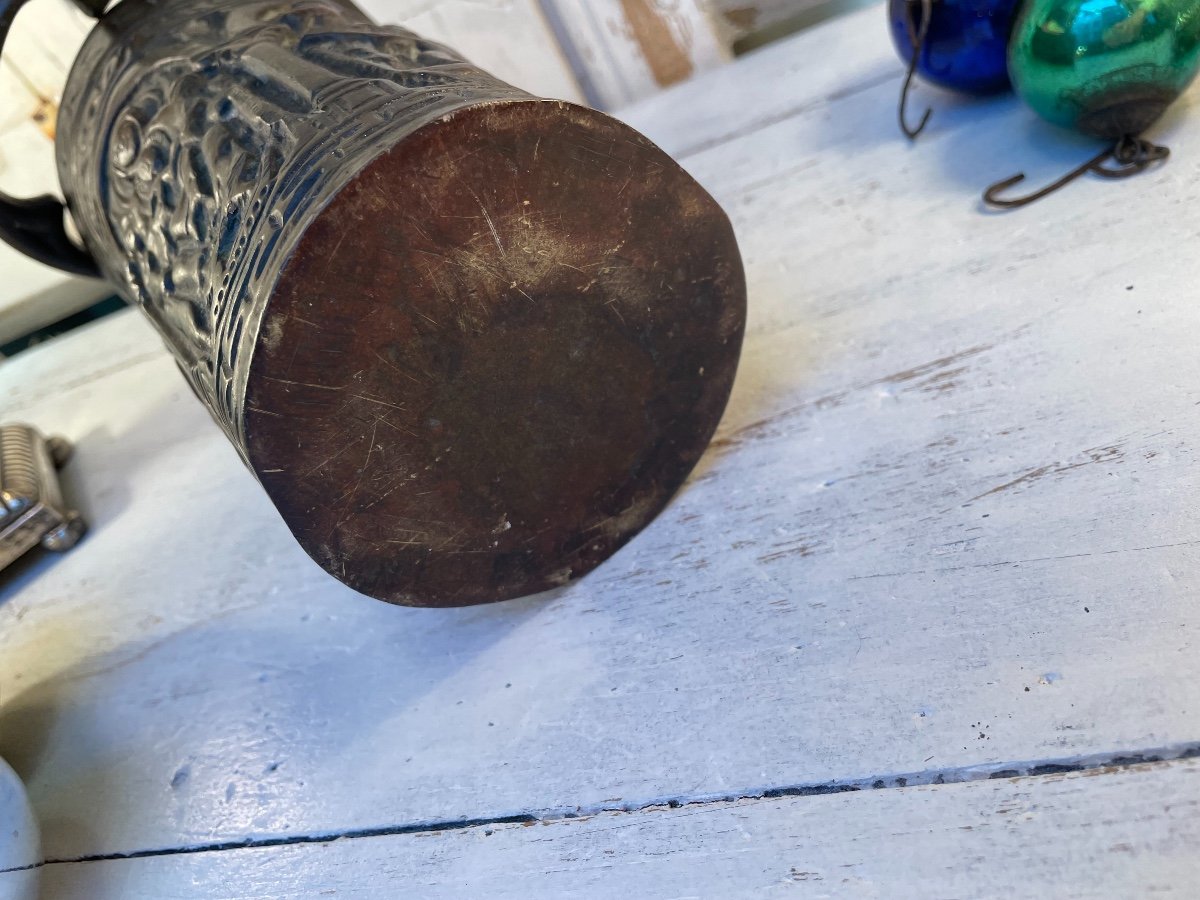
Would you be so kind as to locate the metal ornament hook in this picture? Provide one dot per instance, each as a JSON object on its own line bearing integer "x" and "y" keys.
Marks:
{"x": 36, "y": 226}
{"x": 1132, "y": 154}
{"x": 916, "y": 35}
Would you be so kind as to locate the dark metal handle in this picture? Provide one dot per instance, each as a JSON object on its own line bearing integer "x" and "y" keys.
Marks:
{"x": 37, "y": 226}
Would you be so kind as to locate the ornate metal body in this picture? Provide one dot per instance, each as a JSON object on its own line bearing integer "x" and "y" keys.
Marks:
{"x": 470, "y": 341}
{"x": 224, "y": 127}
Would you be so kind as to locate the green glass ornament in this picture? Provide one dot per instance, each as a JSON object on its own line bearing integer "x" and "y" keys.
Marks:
{"x": 1108, "y": 68}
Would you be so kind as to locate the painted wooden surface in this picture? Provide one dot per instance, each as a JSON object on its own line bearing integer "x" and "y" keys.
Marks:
{"x": 1130, "y": 833}
{"x": 949, "y": 522}
{"x": 509, "y": 38}
{"x": 624, "y": 50}
{"x": 788, "y": 80}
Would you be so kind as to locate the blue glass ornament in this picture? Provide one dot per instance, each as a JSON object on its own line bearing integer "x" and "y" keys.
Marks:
{"x": 966, "y": 42}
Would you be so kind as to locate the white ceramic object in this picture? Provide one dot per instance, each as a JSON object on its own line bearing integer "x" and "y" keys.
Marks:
{"x": 18, "y": 839}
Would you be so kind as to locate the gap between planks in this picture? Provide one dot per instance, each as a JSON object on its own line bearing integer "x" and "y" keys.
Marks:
{"x": 1101, "y": 763}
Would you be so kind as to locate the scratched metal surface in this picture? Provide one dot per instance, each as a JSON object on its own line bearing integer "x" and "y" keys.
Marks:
{"x": 949, "y": 521}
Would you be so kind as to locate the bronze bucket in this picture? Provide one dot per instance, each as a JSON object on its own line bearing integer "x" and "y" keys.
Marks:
{"x": 469, "y": 341}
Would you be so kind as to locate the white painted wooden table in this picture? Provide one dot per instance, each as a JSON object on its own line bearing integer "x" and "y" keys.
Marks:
{"x": 945, "y": 549}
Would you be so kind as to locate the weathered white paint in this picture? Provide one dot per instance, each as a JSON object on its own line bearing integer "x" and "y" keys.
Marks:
{"x": 950, "y": 520}
{"x": 1123, "y": 834}
{"x": 782, "y": 81}
{"x": 624, "y": 50}
{"x": 19, "y": 846}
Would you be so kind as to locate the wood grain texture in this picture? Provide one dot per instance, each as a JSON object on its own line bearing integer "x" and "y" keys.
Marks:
{"x": 950, "y": 521}
{"x": 1131, "y": 833}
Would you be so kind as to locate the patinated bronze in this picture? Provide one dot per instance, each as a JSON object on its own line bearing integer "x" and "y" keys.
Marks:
{"x": 470, "y": 341}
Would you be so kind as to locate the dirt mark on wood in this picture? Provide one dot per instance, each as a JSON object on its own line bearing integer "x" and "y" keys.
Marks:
{"x": 936, "y": 376}
{"x": 669, "y": 62}
{"x": 1091, "y": 457}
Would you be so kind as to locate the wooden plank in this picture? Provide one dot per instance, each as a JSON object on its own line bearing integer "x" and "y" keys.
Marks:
{"x": 948, "y": 522}
{"x": 1128, "y": 833}
{"x": 624, "y": 50}
{"x": 811, "y": 70}
{"x": 509, "y": 38}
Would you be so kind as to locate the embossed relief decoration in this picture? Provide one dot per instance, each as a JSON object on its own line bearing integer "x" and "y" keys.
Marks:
{"x": 214, "y": 159}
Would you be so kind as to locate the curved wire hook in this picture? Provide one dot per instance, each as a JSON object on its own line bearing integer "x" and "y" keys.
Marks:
{"x": 1131, "y": 154}
{"x": 916, "y": 36}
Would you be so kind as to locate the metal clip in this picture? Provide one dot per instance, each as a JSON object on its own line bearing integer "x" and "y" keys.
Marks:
{"x": 32, "y": 510}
